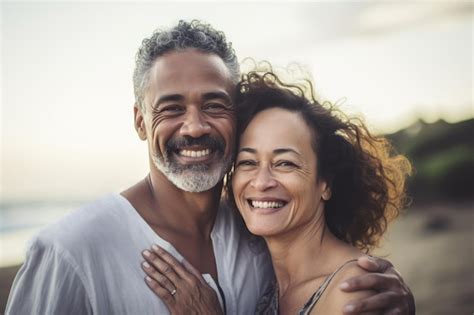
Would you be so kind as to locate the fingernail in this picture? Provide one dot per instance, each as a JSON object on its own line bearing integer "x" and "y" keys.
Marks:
{"x": 148, "y": 279}
{"x": 349, "y": 308}
{"x": 373, "y": 260}
{"x": 146, "y": 265}
{"x": 146, "y": 253}
{"x": 344, "y": 285}
{"x": 155, "y": 247}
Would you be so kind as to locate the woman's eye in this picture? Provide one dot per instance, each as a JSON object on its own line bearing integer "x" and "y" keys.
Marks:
{"x": 287, "y": 164}
{"x": 246, "y": 163}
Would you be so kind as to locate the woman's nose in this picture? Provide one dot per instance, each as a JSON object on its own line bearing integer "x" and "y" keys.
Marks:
{"x": 263, "y": 180}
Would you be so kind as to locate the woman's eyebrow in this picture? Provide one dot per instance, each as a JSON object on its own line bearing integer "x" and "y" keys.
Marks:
{"x": 286, "y": 150}
{"x": 276, "y": 151}
{"x": 245, "y": 149}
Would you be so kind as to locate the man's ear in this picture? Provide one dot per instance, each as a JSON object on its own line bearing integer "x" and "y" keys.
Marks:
{"x": 139, "y": 121}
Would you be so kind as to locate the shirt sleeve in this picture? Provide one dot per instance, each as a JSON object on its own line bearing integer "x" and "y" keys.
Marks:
{"x": 48, "y": 283}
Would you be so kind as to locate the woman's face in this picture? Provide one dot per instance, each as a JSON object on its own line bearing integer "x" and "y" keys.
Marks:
{"x": 275, "y": 183}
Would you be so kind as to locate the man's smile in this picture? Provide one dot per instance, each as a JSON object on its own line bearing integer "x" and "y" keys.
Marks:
{"x": 194, "y": 153}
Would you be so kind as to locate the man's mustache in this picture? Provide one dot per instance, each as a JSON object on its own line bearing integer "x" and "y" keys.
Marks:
{"x": 211, "y": 142}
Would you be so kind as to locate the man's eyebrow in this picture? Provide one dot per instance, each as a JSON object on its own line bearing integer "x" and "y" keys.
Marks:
{"x": 214, "y": 95}
{"x": 168, "y": 98}
{"x": 178, "y": 97}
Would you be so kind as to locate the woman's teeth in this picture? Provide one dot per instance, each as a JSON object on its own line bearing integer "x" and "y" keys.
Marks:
{"x": 266, "y": 204}
{"x": 192, "y": 153}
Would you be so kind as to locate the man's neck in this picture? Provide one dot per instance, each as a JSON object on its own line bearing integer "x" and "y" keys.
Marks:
{"x": 182, "y": 218}
{"x": 165, "y": 207}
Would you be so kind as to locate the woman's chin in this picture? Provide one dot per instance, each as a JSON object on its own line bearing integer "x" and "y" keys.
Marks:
{"x": 262, "y": 230}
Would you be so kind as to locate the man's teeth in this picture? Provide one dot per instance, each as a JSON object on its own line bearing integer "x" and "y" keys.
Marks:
{"x": 266, "y": 204}
{"x": 192, "y": 153}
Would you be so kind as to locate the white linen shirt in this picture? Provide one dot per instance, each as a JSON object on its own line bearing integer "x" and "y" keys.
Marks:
{"x": 89, "y": 263}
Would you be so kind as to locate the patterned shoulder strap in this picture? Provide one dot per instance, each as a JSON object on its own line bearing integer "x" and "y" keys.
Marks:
{"x": 316, "y": 295}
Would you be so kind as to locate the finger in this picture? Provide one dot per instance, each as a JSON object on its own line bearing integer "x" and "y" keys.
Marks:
{"x": 376, "y": 302}
{"x": 189, "y": 276}
{"x": 371, "y": 281}
{"x": 158, "y": 277}
{"x": 395, "y": 272}
{"x": 396, "y": 311}
{"x": 374, "y": 264}
{"x": 161, "y": 266}
{"x": 161, "y": 292}
{"x": 194, "y": 271}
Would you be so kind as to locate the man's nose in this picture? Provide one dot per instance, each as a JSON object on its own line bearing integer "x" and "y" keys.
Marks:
{"x": 263, "y": 180}
{"x": 194, "y": 125}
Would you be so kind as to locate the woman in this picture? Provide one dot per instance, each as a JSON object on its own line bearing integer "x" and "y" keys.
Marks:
{"x": 317, "y": 186}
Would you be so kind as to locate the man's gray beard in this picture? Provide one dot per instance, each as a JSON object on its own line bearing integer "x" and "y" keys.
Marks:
{"x": 193, "y": 178}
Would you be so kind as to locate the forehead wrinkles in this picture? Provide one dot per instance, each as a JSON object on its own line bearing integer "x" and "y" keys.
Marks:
{"x": 189, "y": 66}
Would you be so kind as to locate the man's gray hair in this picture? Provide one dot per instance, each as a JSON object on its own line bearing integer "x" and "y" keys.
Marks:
{"x": 194, "y": 34}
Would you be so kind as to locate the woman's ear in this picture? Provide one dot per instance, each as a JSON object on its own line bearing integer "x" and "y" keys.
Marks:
{"x": 326, "y": 193}
{"x": 139, "y": 122}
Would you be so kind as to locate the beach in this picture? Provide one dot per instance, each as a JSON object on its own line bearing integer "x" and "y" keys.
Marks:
{"x": 433, "y": 248}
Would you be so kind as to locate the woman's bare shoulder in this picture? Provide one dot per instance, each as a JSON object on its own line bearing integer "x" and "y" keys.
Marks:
{"x": 334, "y": 299}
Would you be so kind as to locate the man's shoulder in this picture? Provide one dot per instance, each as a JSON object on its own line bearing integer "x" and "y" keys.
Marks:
{"x": 229, "y": 221}
{"x": 232, "y": 226}
{"x": 83, "y": 224}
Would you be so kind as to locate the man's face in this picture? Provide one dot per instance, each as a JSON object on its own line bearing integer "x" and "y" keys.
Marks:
{"x": 188, "y": 119}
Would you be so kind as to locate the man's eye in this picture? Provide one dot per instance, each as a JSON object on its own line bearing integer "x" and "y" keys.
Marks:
{"x": 171, "y": 109}
{"x": 214, "y": 107}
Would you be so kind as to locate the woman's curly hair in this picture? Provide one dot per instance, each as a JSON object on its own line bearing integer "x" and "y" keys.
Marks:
{"x": 366, "y": 177}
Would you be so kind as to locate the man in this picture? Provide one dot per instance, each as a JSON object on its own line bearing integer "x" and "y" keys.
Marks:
{"x": 89, "y": 262}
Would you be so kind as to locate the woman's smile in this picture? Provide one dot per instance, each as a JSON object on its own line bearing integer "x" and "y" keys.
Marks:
{"x": 266, "y": 205}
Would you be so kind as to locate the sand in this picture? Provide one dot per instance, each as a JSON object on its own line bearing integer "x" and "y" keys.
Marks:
{"x": 433, "y": 248}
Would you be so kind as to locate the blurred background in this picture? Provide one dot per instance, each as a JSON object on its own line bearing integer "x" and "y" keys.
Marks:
{"x": 67, "y": 132}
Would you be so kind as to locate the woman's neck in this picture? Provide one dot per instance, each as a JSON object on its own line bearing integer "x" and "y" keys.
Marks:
{"x": 306, "y": 253}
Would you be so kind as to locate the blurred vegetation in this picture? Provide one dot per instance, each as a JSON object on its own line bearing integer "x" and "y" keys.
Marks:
{"x": 443, "y": 158}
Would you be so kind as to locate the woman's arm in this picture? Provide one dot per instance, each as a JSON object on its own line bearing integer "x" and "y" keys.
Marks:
{"x": 180, "y": 286}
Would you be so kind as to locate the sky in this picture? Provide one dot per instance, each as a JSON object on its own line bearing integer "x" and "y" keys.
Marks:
{"x": 66, "y": 75}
